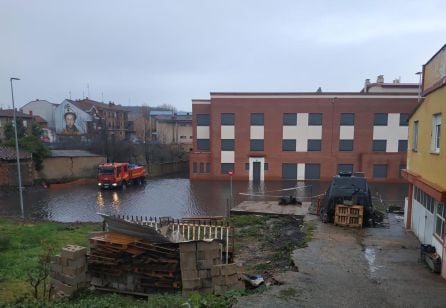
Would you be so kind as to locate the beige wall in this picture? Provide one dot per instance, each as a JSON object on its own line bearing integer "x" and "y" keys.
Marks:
{"x": 68, "y": 168}
{"x": 169, "y": 133}
{"x": 435, "y": 69}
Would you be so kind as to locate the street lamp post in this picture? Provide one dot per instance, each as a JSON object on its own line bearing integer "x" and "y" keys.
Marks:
{"x": 17, "y": 148}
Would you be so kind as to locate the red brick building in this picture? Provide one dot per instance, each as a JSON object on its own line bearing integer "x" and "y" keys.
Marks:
{"x": 302, "y": 136}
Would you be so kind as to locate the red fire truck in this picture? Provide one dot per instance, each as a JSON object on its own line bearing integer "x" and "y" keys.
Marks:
{"x": 114, "y": 175}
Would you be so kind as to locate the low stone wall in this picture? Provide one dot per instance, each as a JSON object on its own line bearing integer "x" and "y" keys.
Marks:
{"x": 8, "y": 173}
{"x": 160, "y": 169}
{"x": 63, "y": 169}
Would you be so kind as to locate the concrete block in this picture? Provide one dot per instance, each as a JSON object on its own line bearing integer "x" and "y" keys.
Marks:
{"x": 208, "y": 254}
{"x": 204, "y": 264}
{"x": 228, "y": 269}
{"x": 73, "y": 252}
{"x": 220, "y": 290}
{"x": 73, "y": 271}
{"x": 55, "y": 267}
{"x": 188, "y": 261}
{"x": 189, "y": 274}
{"x": 99, "y": 282}
{"x": 81, "y": 262}
{"x": 188, "y": 247}
{"x": 55, "y": 259}
{"x": 215, "y": 270}
{"x": 62, "y": 287}
{"x": 206, "y": 283}
{"x": 204, "y": 273}
{"x": 204, "y": 246}
{"x": 191, "y": 284}
{"x": 72, "y": 280}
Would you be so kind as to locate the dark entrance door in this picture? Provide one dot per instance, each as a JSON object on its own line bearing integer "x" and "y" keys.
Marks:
{"x": 256, "y": 171}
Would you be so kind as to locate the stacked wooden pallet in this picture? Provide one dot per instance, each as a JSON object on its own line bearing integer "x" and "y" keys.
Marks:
{"x": 131, "y": 264}
{"x": 349, "y": 215}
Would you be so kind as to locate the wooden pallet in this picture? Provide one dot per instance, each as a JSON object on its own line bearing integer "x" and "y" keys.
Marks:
{"x": 349, "y": 216}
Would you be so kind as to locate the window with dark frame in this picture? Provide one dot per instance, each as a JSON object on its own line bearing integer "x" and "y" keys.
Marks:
{"x": 194, "y": 167}
{"x": 289, "y": 119}
{"x": 226, "y": 167}
{"x": 402, "y": 145}
{"x": 208, "y": 167}
{"x": 227, "y": 119}
{"x": 380, "y": 119}
{"x": 347, "y": 119}
{"x": 201, "y": 167}
{"x": 203, "y": 144}
{"x": 379, "y": 145}
{"x": 314, "y": 144}
{"x": 227, "y": 144}
{"x": 380, "y": 171}
{"x": 312, "y": 171}
{"x": 289, "y": 171}
{"x": 257, "y": 119}
{"x": 404, "y": 117}
{"x": 289, "y": 145}
{"x": 415, "y": 136}
{"x": 256, "y": 144}
{"x": 203, "y": 120}
{"x": 345, "y": 145}
{"x": 314, "y": 119}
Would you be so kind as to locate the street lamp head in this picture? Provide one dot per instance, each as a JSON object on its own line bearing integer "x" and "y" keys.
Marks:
{"x": 418, "y": 73}
{"x": 14, "y": 78}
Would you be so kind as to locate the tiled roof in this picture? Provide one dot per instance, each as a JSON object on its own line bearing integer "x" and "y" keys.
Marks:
{"x": 86, "y": 104}
{"x": 8, "y": 113}
{"x": 7, "y": 153}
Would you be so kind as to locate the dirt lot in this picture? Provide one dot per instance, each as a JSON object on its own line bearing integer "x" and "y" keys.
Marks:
{"x": 373, "y": 267}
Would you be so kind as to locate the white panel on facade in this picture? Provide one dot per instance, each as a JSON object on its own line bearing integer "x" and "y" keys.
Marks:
{"x": 228, "y": 157}
{"x": 314, "y": 132}
{"x": 347, "y": 132}
{"x": 203, "y": 132}
{"x": 227, "y": 132}
{"x": 290, "y": 132}
{"x": 302, "y": 132}
{"x": 392, "y": 132}
{"x": 301, "y": 171}
{"x": 257, "y": 132}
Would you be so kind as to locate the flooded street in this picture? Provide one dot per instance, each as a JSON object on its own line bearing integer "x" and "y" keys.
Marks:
{"x": 176, "y": 197}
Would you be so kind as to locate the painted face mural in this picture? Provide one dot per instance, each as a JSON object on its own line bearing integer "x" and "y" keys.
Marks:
{"x": 70, "y": 124}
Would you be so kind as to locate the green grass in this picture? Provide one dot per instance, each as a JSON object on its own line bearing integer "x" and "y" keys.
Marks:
{"x": 21, "y": 243}
{"x": 109, "y": 300}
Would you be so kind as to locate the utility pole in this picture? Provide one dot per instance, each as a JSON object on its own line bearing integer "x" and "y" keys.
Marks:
{"x": 17, "y": 148}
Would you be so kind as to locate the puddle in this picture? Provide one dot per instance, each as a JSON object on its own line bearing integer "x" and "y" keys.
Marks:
{"x": 370, "y": 256}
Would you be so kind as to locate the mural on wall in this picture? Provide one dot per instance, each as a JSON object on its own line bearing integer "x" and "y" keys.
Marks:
{"x": 71, "y": 120}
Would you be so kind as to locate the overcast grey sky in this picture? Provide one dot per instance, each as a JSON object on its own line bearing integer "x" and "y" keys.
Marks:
{"x": 157, "y": 52}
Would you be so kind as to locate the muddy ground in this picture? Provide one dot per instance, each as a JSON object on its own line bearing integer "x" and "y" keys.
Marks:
{"x": 372, "y": 267}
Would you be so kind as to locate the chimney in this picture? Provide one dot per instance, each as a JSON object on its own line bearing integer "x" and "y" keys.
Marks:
{"x": 380, "y": 79}
{"x": 366, "y": 85}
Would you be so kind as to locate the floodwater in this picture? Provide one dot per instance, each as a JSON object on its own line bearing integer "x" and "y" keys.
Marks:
{"x": 175, "y": 197}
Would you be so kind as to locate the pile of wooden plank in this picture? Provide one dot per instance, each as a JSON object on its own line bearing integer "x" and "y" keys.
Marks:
{"x": 349, "y": 215}
{"x": 132, "y": 264}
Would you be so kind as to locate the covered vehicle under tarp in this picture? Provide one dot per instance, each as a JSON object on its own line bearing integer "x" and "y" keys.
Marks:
{"x": 346, "y": 189}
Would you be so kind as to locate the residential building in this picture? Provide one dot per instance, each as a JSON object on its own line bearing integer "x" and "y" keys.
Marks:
{"x": 42, "y": 108}
{"x": 7, "y": 116}
{"x": 301, "y": 136}
{"x": 109, "y": 118}
{"x": 426, "y": 160}
{"x": 173, "y": 128}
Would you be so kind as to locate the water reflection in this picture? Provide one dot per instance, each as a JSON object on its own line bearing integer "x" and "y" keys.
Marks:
{"x": 176, "y": 197}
